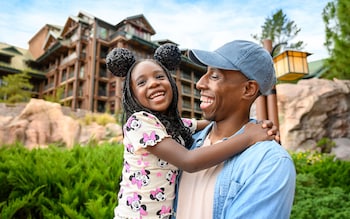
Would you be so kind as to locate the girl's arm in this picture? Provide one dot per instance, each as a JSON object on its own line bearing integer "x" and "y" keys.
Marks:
{"x": 273, "y": 130}
{"x": 205, "y": 157}
{"x": 201, "y": 124}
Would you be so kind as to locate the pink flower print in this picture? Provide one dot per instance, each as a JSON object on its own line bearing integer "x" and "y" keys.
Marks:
{"x": 187, "y": 122}
{"x": 130, "y": 148}
{"x": 135, "y": 204}
{"x": 132, "y": 124}
{"x": 145, "y": 154}
{"x": 126, "y": 167}
{"x": 157, "y": 194}
{"x": 143, "y": 212}
{"x": 149, "y": 139}
{"x": 171, "y": 176}
{"x": 164, "y": 211}
{"x": 141, "y": 161}
{"x": 140, "y": 178}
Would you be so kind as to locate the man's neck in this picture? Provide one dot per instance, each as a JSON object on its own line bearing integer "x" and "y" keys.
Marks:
{"x": 226, "y": 128}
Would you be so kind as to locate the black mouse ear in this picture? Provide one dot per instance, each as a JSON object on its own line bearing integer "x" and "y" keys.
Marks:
{"x": 119, "y": 61}
{"x": 169, "y": 55}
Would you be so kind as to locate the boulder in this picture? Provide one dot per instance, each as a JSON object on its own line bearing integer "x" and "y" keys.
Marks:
{"x": 40, "y": 123}
{"x": 311, "y": 110}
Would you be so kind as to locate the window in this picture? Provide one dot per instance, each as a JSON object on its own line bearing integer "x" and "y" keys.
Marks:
{"x": 101, "y": 106}
{"x": 103, "y": 33}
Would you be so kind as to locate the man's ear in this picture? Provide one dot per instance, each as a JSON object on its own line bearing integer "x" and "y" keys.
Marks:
{"x": 251, "y": 89}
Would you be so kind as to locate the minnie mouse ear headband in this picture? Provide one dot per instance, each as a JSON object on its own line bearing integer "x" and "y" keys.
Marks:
{"x": 120, "y": 60}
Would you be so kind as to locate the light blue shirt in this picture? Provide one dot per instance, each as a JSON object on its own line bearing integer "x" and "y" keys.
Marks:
{"x": 257, "y": 183}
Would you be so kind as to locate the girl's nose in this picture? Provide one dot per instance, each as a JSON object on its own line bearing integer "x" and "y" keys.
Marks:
{"x": 153, "y": 82}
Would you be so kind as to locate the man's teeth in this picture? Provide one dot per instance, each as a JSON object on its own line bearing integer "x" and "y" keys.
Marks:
{"x": 206, "y": 100}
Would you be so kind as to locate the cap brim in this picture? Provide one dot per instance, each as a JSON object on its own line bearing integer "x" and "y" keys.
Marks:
{"x": 212, "y": 59}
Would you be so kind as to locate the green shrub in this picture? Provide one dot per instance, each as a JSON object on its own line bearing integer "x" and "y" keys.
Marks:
{"x": 330, "y": 172}
{"x": 322, "y": 187}
{"x": 59, "y": 183}
{"x": 83, "y": 183}
{"x": 100, "y": 118}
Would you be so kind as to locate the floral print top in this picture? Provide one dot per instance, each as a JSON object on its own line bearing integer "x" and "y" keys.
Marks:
{"x": 147, "y": 188}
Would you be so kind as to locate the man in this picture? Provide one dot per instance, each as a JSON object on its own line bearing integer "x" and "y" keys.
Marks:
{"x": 260, "y": 181}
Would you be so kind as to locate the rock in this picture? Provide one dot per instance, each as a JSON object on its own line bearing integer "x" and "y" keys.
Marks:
{"x": 311, "y": 110}
{"x": 342, "y": 148}
{"x": 41, "y": 123}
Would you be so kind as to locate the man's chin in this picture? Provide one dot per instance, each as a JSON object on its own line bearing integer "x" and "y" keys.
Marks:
{"x": 208, "y": 117}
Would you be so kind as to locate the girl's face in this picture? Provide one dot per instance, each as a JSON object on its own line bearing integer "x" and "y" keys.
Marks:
{"x": 151, "y": 86}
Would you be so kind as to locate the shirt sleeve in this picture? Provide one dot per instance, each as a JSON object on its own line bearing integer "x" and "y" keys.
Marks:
{"x": 190, "y": 123}
{"x": 143, "y": 130}
{"x": 267, "y": 193}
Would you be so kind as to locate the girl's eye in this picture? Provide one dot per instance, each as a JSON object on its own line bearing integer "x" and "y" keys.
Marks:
{"x": 161, "y": 76}
{"x": 140, "y": 83}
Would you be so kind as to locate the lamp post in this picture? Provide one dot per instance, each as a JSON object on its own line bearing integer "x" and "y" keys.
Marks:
{"x": 289, "y": 66}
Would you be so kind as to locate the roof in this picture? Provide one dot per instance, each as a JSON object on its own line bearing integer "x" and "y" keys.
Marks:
{"x": 18, "y": 59}
{"x": 139, "y": 21}
{"x": 316, "y": 69}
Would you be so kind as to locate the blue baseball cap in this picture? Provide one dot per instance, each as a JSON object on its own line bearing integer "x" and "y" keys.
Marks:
{"x": 251, "y": 59}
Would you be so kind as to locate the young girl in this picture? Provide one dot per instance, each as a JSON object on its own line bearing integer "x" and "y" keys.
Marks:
{"x": 155, "y": 135}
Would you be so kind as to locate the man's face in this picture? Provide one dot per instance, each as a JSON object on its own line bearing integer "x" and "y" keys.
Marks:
{"x": 221, "y": 92}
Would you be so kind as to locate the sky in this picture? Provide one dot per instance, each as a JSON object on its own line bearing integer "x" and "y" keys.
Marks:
{"x": 198, "y": 24}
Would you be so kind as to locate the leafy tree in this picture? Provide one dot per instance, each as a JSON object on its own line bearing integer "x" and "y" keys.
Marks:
{"x": 56, "y": 97}
{"x": 337, "y": 22}
{"x": 15, "y": 88}
{"x": 279, "y": 29}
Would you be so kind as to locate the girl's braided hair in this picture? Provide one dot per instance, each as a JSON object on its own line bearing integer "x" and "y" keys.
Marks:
{"x": 121, "y": 62}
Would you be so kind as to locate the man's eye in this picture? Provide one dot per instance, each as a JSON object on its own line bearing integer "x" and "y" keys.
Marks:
{"x": 214, "y": 76}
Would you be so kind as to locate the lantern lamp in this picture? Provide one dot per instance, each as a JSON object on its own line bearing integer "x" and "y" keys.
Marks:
{"x": 291, "y": 65}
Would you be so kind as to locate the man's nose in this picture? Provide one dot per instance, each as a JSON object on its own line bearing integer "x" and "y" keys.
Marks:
{"x": 201, "y": 83}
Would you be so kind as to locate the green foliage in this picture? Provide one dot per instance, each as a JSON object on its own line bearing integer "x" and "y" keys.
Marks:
{"x": 326, "y": 145}
{"x": 100, "y": 118}
{"x": 59, "y": 183}
{"x": 330, "y": 171}
{"x": 57, "y": 96}
{"x": 278, "y": 28}
{"x": 15, "y": 88}
{"x": 322, "y": 187}
{"x": 83, "y": 183}
{"x": 314, "y": 201}
{"x": 337, "y": 22}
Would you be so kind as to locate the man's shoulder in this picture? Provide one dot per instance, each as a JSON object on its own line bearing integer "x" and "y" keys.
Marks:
{"x": 270, "y": 149}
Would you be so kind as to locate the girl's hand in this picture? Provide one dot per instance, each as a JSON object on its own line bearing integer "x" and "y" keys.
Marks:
{"x": 257, "y": 132}
{"x": 272, "y": 129}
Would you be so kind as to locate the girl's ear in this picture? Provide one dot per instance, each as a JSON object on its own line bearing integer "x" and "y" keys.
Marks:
{"x": 251, "y": 89}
